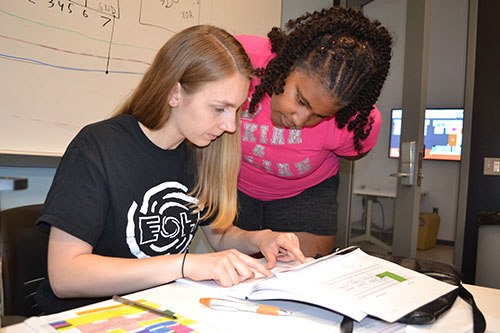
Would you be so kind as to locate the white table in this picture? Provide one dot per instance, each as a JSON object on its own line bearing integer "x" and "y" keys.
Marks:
{"x": 371, "y": 196}
{"x": 185, "y": 301}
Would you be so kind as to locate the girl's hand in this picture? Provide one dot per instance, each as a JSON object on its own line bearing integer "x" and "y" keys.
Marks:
{"x": 227, "y": 268}
{"x": 283, "y": 246}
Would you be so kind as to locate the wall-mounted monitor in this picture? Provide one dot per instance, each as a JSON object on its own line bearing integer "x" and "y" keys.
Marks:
{"x": 443, "y": 130}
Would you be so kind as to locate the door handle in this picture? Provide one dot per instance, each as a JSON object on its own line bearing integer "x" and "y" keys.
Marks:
{"x": 400, "y": 174}
{"x": 408, "y": 163}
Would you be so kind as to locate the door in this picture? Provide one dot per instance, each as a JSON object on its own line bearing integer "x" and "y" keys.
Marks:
{"x": 407, "y": 201}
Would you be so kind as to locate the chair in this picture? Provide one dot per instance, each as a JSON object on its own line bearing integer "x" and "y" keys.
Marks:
{"x": 24, "y": 260}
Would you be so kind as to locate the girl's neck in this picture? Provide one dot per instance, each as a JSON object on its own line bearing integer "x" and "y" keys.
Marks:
{"x": 162, "y": 137}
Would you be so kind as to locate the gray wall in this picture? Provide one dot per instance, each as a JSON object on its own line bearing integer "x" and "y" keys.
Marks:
{"x": 294, "y": 8}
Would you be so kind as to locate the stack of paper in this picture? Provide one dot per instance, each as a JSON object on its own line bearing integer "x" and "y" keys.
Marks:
{"x": 350, "y": 282}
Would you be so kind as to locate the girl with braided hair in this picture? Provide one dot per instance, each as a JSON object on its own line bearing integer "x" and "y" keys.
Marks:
{"x": 311, "y": 103}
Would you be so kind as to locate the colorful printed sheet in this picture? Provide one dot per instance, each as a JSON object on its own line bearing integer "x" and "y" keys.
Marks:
{"x": 115, "y": 318}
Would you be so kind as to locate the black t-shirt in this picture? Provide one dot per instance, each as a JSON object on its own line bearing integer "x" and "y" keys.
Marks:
{"x": 122, "y": 194}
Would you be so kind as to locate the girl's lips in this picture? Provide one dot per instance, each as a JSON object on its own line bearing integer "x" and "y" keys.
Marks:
{"x": 282, "y": 121}
{"x": 286, "y": 123}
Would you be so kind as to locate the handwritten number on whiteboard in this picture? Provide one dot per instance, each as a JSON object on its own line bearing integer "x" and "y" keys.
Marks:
{"x": 51, "y": 3}
{"x": 84, "y": 13}
{"x": 168, "y": 3}
{"x": 107, "y": 20}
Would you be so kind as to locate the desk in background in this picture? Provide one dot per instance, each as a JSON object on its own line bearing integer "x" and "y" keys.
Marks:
{"x": 371, "y": 196}
{"x": 184, "y": 300}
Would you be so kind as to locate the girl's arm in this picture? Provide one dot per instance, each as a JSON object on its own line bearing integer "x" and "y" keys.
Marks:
{"x": 74, "y": 271}
{"x": 283, "y": 246}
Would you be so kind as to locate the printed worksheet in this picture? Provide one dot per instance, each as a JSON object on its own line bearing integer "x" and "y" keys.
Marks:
{"x": 349, "y": 282}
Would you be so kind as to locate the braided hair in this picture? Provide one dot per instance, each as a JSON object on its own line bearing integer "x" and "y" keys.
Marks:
{"x": 348, "y": 53}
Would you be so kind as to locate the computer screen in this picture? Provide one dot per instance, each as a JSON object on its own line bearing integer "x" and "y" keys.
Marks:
{"x": 443, "y": 130}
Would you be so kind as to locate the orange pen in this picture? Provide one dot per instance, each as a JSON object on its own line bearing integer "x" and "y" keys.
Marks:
{"x": 233, "y": 305}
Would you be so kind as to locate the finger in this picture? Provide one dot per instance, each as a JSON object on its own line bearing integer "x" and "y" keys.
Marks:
{"x": 285, "y": 257}
{"x": 292, "y": 248}
{"x": 233, "y": 273}
{"x": 255, "y": 265}
{"x": 271, "y": 259}
{"x": 227, "y": 275}
{"x": 243, "y": 267}
{"x": 297, "y": 254}
{"x": 244, "y": 270}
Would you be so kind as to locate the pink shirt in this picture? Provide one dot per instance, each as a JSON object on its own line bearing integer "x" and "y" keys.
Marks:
{"x": 280, "y": 163}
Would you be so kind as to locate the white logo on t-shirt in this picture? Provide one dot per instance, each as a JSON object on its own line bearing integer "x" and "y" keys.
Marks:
{"x": 162, "y": 223}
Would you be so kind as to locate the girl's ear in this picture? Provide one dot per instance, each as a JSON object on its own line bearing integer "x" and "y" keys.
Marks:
{"x": 175, "y": 94}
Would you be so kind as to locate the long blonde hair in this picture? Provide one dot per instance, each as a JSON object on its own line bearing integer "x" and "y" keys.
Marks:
{"x": 194, "y": 57}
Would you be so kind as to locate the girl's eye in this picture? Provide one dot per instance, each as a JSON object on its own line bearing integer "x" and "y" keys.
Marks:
{"x": 218, "y": 109}
{"x": 300, "y": 101}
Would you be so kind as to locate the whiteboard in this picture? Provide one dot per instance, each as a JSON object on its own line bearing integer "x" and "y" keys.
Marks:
{"x": 68, "y": 63}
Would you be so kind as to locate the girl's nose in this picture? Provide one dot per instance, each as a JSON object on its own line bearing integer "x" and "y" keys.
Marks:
{"x": 228, "y": 123}
{"x": 300, "y": 118}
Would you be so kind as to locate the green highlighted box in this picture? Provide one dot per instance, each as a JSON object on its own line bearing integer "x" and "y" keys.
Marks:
{"x": 392, "y": 276}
